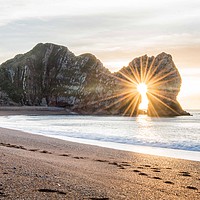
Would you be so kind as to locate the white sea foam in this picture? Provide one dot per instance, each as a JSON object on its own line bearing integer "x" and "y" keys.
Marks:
{"x": 174, "y": 137}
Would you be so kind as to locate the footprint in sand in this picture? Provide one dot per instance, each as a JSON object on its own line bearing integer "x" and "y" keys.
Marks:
{"x": 125, "y": 164}
{"x": 140, "y": 173}
{"x": 12, "y": 146}
{"x": 65, "y": 155}
{"x": 143, "y": 174}
{"x": 156, "y": 177}
{"x": 52, "y": 191}
{"x": 33, "y": 150}
{"x": 191, "y": 188}
{"x": 113, "y": 163}
{"x": 169, "y": 182}
{"x": 147, "y": 166}
{"x": 135, "y": 170}
{"x": 79, "y": 157}
{"x": 184, "y": 174}
{"x": 121, "y": 166}
{"x": 44, "y": 151}
{"x": 98, "y": 160}
{"x": 156, "y": 170}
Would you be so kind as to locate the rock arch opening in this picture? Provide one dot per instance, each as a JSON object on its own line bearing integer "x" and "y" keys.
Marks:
{"x": 143, "y": 89}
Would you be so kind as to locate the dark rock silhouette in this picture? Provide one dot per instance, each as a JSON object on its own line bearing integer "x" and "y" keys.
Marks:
{"x": 51, "y": 75}
{"x": 163, "y": 82}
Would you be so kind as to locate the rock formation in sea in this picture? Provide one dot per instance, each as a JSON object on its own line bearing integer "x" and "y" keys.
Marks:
{"x": 51, "y": 75}
{"x": 163, "y": 83}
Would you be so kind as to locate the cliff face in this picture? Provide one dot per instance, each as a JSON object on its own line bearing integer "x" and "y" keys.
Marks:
{"x": 51, "y": 75}
{"x": 163, "y": 83}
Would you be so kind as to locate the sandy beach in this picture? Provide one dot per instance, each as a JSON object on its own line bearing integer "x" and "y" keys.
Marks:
{"x": 38, "y": 167}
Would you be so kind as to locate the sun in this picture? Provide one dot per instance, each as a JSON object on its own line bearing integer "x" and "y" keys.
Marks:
{"x": 142, "y": 89}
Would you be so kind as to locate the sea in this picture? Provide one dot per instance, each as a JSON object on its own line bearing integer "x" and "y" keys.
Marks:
{"x": 177, "y": 137}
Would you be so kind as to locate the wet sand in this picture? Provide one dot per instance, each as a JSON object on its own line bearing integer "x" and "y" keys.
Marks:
{"x": 32, "y": 110}
{"x": 38, "y": 167}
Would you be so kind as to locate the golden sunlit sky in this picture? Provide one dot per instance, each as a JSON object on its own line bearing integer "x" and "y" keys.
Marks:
{"x": 115, "y": 31}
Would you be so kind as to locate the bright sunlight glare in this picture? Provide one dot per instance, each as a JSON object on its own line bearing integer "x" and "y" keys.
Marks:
{"x": 142, "y": 89}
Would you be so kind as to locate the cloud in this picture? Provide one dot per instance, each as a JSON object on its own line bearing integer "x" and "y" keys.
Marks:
{"x": 23, "y": 9}
{"x": 110, "y": 29}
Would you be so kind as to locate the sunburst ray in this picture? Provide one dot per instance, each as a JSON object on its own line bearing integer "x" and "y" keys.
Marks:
{"x": 145, "y": 71}
{"x": 158, "y": 93}
{"x": 133, "y": 103}
{"x": 149, "y": 70}
{"x": 160, "y": 76}
{"x": 164, "y": 103}
{"x": 152, "y": 71}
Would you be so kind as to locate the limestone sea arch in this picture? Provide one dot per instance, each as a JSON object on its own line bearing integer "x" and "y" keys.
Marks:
{"x": 163, "y": 82}
{"x": 52, "y": 75}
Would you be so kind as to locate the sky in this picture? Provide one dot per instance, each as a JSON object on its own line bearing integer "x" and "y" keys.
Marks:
{"x": 115, "y": 31}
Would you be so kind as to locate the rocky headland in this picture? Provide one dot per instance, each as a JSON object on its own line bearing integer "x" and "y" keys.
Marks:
{"x": 51, "y": 75}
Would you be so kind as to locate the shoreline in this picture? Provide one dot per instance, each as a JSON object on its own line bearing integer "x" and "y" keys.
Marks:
{"x": 158, "y": 151}
{"x": 35, "y": 166}
{"x": 32, "y": 110}
{"x": 154, "y": 151}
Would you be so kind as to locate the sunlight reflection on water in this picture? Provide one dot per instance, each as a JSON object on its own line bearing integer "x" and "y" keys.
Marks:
{"x": 181, "y": 133}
